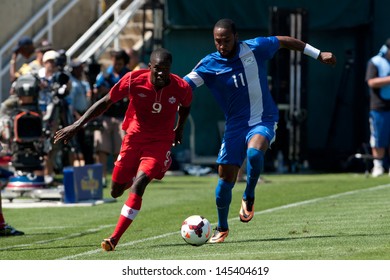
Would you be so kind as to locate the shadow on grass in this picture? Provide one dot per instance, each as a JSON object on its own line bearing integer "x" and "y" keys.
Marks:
{"x": 279, "y": 239}
{"x": 292, "y": 238}
{"x": 33, "y": 246}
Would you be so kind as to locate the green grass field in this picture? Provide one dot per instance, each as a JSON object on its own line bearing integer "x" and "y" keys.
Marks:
{"x": 298, "y": 217}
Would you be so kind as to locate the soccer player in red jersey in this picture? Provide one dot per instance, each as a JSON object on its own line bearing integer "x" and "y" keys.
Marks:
{"x": 155, "y": 97}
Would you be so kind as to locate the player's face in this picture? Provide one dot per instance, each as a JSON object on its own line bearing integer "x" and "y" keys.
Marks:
{"x": 225, "y": 41}
{"x": 159, "y": 72}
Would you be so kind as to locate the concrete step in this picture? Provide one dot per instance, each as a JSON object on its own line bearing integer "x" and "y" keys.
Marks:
{"x": 136, "y": 27}
{"x": 138, "y": 17}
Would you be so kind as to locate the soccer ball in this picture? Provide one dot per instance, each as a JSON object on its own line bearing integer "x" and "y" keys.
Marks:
{"x": 196, "y": 230}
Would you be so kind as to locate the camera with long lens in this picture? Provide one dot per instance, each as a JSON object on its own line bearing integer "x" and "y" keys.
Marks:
{"x": 61, "y": 78}
{"x": 59, "y": 86}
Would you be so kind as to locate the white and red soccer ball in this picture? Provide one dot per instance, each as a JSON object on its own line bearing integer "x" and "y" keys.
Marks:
{"x": 196, "y": 230}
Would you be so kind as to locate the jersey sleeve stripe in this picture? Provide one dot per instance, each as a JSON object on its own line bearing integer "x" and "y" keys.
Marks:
{"x": 194, "y": 80}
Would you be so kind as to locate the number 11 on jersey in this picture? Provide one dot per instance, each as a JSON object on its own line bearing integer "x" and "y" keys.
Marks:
{"x": 241, "y": 76}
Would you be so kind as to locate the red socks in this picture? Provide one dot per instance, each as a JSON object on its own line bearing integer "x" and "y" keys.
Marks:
{"x": 129, "y": 211}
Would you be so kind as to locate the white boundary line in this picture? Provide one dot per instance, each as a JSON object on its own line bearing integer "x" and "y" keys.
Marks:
{"x": 380, "y": 187}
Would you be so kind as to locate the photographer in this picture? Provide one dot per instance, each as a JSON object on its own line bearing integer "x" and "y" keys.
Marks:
{"x": 26, "y": 49}
{"x": 46, "y": 75}
{"x": 80, "y": 96}
{"x": 54, "y": 105}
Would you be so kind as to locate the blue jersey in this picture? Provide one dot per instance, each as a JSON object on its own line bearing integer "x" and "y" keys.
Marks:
{"x": 239, "y": 84}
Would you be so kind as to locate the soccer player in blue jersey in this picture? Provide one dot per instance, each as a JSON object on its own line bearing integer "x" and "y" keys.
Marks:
{"x": 236, "y": 75}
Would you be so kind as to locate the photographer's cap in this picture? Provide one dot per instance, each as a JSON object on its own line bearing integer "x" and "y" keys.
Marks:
{"x": 49, "y": 55}
{"x": 44, "y": 46}
{"x": 24, "y": 41}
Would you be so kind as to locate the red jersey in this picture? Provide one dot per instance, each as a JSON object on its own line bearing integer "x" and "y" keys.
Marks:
{"x": 151, "y": 114}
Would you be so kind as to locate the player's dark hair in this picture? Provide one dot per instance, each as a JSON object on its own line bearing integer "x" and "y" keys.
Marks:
{"x": 163, "y": 54}
{"x": 226, "y": 23}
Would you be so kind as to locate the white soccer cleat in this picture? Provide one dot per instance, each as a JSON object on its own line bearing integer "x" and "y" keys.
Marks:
{"x": 377, "y": 171}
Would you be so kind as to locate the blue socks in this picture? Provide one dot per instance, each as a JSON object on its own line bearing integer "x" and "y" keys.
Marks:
{"x": 223, "y": 191}
{"x": 223, "y": 195}
{"x": 255, "y": 164}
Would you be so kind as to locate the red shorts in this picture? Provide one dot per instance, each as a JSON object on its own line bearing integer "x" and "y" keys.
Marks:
{"x": 153, "y": 158}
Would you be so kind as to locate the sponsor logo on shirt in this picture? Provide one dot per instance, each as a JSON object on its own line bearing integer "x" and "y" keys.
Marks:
{"x": 248, "y": 60}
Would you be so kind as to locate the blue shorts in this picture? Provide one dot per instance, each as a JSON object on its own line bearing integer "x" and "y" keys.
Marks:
{"x": 234, "y": 143}
{"x": 380, "y": 129}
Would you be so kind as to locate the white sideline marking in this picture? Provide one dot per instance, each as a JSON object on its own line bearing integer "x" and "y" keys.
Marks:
{"x": 257, "y": 213}
{"x": 320, "y": 199}
{"x": 125, "y": 244}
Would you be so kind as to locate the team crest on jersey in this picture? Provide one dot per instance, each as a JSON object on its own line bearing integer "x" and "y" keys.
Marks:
{"x": 248, "y": 60}
{"x": 172, "y": 100}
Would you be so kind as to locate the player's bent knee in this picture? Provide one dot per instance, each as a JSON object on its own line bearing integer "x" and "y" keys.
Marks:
{"x": 117, "y": 190}
{"x": 116, "y": 193}
{"x": 255, "y": 158}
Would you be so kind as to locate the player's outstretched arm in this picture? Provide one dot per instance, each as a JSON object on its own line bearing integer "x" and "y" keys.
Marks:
{"x": 298, "y": 45}
{"x": 94, "y": 111}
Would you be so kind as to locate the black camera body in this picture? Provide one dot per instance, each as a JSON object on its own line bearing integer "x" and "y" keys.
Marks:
{"x": 59, "y": 87}
{"x": 26, "y": 132}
